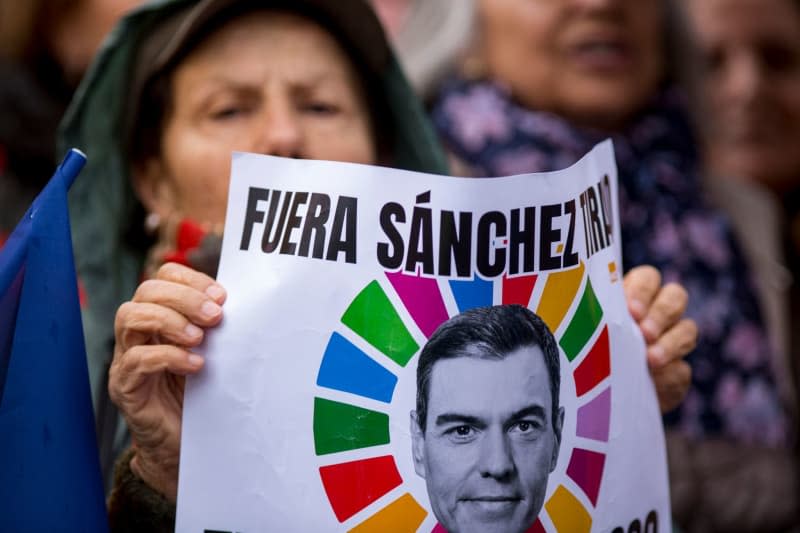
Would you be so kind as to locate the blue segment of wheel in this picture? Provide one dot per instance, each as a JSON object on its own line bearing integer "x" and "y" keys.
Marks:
{"x": 472, "y": 293}
{"x": 346, "y": 368}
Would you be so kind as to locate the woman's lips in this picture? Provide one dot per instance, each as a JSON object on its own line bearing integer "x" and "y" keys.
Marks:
{"x": 602, "y": 55}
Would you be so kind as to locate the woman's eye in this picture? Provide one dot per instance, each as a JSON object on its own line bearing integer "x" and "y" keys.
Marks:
{"x": 227, "y": 113}
{"x": 714, "y": 60}
{"x": 321, "y": 108}
{"x": 778, "y": 58}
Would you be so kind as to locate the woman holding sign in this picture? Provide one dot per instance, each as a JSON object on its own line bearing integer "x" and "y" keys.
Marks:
{"x": 312, "y": 79}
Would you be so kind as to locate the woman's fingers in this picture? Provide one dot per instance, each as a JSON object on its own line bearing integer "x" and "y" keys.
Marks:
{"x": 191, "y": 293}
{"x": 195, "y": 305}
{"x": 658, "y": 311}
{"x": 672, "y": 383}
{"x": 654, "y": 307}
{"x": 140, "y": 323}
{"x": 641, "y": 286}
{"x": 665, "y": 311}
{"x": 169, "y": 309}
{"x": 132, "y": 369}
{"x": 189, "y": 277}
{"x": 673, "y": 345}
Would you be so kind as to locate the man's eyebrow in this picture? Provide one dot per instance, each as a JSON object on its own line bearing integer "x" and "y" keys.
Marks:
{"x": 455, "y": 418}
{"x": 531, "y": 410}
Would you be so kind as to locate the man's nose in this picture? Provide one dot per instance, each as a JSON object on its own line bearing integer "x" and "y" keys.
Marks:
{"x": 280, "y": 131}
{"x": 496, "y": 457}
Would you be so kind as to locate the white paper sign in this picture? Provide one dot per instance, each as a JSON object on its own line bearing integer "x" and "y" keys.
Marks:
{"x": 337, "y": 276}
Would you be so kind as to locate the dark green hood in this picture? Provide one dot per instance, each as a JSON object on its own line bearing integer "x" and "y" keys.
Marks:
{"x": 103, "y": 207}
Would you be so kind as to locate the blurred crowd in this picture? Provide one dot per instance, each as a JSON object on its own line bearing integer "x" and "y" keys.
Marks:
{"x": 45, "y": 47}
{"x": 701, "y": 99}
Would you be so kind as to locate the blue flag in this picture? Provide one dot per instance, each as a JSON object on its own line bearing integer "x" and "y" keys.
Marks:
{"x": 49, "y": 468}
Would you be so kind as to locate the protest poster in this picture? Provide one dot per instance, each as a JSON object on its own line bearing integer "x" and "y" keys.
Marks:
{"x": 307, "y": 417}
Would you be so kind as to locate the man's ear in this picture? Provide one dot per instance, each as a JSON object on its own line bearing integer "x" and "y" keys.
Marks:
{"x": 152, "y": 187}
{"x": 557, "y": 434}
{"x": 417, "y": 445}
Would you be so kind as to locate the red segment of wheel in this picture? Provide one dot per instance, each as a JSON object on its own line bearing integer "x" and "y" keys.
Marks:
{"x": 595, "y": 367}
{"x": 353, "y": 486}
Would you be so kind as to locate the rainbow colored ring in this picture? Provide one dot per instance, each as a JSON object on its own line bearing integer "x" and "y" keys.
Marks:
{"x": 351, "y": 486}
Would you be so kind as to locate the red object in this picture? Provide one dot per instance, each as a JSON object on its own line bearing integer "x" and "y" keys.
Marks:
{"x": 188, "y": 237}
{"x": 518, "y": 290}
{"x": 586, "y": 469}
{"x": 352, "y": 486}
{"x": 537, "y": 527}
{"x": 595, "y": 367}
{"x": 190, "y": 234}
{"x": 82, "y": 298}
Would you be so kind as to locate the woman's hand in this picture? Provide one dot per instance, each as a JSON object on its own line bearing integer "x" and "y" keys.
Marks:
{"x": 658, "y": 311}
{"x": 155, "y": 333}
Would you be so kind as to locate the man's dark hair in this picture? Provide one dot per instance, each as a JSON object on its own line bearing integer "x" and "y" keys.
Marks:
{"x": 487, "y": 333}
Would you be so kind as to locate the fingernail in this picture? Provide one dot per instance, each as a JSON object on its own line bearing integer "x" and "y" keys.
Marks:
{"x": 656, "y": 354}
{"x": 216, "y": 292}
{"x": 210, "y": 309}
{"x": 637, "y": 307}
{"x": 192, "y": 331}
{"x": 195, "y": 360}
{"x": 650, "y": 328}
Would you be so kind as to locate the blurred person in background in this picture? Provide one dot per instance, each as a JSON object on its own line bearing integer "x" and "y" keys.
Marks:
{"x": 550, "y": 79}
{"x": 748, "y": 88}
{"x": 430, "y": 37}
{"x": 45, "y": 47}
{"x": 750, "y": 80}
{"x": 747, "y": 95}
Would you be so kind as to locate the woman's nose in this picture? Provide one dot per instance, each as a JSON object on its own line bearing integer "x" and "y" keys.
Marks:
{"x": 743, "y": 77}
{"x": 279, "y": 132}
{"x": 597, "y": 4}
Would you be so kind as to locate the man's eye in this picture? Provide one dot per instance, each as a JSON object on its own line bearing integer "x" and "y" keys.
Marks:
{"x": 525, "y": 427}
{"x": 463, "y": 431}
{"x": 461, "y": 434}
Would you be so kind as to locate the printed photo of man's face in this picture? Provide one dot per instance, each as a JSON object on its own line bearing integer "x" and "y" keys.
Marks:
{"x": 489, "y": 439}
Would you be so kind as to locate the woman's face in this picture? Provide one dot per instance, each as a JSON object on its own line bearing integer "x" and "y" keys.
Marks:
{"x": 751, "y": 87}
{"x": 269, "y": 82}
{"x": 595, "y": 62}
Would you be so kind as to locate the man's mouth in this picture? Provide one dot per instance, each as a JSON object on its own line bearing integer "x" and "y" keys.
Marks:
{"x": 493, "y": 506}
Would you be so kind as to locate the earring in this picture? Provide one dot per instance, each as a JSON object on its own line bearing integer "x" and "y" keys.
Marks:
{"x": 151, "y": 223}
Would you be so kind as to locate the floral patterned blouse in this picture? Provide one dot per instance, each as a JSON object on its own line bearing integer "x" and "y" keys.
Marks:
{"x": 665, "y": 221}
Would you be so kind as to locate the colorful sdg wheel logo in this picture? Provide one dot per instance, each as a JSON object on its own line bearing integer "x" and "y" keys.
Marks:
{"x": 368, "y": 475}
